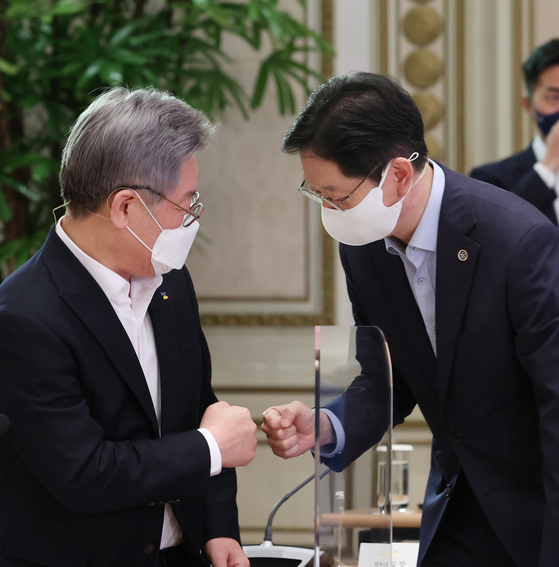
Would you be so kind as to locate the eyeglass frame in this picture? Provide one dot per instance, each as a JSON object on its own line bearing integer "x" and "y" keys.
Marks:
{"x": 195, "y": 214}
{"x": 320, "y": 199}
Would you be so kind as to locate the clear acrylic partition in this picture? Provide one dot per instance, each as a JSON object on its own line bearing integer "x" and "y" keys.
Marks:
{"x": 353, "y": 506}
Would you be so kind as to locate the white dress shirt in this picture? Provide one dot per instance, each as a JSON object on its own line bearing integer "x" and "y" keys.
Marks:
{"x": 131, "y": 300}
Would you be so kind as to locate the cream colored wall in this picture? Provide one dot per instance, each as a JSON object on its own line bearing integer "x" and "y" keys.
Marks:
{"x": 546, "y": 24}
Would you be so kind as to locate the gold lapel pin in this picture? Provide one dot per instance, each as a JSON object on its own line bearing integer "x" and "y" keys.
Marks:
{"x": 164, "y": 295}
{"x": 462, "y": 255}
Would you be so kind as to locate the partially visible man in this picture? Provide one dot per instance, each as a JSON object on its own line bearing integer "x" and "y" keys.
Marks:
{"x": 534, "y": 172}
{"x": 118, "y": 452}
{"x": 463, "y": 279}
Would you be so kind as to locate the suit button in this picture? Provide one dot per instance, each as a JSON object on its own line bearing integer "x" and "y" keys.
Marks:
{"x": 149, "y": 548}
{"x": 448, "y": 490}
{"x": 457, "y": 438}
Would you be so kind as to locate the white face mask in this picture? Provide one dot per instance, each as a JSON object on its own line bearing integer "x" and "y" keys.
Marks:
{"x": 172, "y": 246}
{"x": 370, "y": 220}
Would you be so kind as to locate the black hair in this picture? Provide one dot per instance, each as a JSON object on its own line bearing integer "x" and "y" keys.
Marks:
{"x": 541, "y": 58}
{"x": 359, "y": 121}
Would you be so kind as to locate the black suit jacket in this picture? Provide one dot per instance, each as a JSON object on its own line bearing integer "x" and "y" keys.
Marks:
{"x": 517, "y": 174}
{"x": 491, "y": 396}
{"x": 84, "y": 473}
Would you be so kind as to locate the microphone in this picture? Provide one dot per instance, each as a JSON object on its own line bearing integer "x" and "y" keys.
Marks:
{"x": 269, "y": 555}
{"x": 268, "y": 535}
{"x": 4, "y": 424}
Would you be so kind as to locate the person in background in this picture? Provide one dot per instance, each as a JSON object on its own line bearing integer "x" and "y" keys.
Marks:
{"x": 463, "y": 279}
{"x": 533, "y": 173}
{"x": 118, "y": 452}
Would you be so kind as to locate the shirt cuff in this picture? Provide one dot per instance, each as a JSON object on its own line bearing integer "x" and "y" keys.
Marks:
{"x": 337, "y": 446}
{"x": 215, "y": 453}
{"x": 548, "y": 177}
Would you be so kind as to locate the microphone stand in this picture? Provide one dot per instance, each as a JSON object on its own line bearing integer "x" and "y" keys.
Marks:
{"x": 269, "y": 555}
{"x": 268, "y": 534}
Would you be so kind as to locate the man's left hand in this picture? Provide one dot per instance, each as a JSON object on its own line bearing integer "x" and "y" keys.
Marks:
{"x": 226, "y": 552}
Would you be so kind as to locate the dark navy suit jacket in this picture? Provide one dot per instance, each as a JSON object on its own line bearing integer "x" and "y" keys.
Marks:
{"x": 491, "y": 396}
{"x": 516, "y": 174}
{"x": 84, "y": 473}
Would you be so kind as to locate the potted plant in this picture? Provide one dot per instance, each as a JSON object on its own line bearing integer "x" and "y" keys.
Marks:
{"x": 56, "y": 56}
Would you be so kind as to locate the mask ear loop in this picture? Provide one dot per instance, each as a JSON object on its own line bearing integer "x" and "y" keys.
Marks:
{"x": 413, "y": 157}
{"x": 151, "y": 215}
{"x": 147, "y": 209}
{"x": 384, "y": 173}
{"x": 141, "y": 200}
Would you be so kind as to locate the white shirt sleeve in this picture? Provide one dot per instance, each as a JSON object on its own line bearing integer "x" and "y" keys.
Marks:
{"x": 548, "y": 177}
{"x": 215, "y": 453}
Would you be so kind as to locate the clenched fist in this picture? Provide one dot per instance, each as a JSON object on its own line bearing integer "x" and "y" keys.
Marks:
{"x": 290, "y": 429}
{"x": 234, "y": 432}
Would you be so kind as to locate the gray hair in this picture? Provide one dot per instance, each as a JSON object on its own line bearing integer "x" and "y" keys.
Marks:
{"x": 129, "y": 137}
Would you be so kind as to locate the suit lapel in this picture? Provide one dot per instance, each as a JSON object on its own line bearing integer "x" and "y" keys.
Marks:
{"x": 83, "y": 295}
{"x": 163, "y": 319}
{"x": 456, "y": 262}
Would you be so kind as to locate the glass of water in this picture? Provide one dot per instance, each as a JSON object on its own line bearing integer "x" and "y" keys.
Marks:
{"x": 400, "y": 476}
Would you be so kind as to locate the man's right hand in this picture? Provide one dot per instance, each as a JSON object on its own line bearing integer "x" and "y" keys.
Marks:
{"x": 234, "y": 432}
{"x": 290, "y": 429}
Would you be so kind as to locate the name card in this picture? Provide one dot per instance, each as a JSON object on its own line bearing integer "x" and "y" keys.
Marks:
{"x": 379, "y": 555}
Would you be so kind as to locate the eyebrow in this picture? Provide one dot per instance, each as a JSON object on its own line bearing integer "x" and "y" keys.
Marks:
{"x": 188, "y": 196}
{"x": 327, "y": 188}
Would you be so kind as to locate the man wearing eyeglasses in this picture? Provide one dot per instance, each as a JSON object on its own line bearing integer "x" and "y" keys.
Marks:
{"x": 118, "y": 452}
{"x": 463, "y": 279}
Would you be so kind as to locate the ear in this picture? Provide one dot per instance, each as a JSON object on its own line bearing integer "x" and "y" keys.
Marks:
{"x": 119, "y": 205}
{"x": 527, "y": 105}
{"x": 402, "y": 170}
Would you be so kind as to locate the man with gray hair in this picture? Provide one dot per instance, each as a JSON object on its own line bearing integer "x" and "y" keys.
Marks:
{"x": 118, "y": 452}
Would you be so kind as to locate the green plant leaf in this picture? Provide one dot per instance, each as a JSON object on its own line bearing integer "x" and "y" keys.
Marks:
{"x": 89, "y": 73}
{"x": 122, "y": 34}
{"x": 5, "y": 212}
{"x": 260, "y": 85}
{"x": 59, "y": 54}
{"x": 8, "y": 68}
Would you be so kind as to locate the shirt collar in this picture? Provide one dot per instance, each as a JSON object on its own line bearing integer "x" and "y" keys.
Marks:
{"x": 539, "y": 147}
{"x": 425, "y": 235}
{"x": 114, "y": 286}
